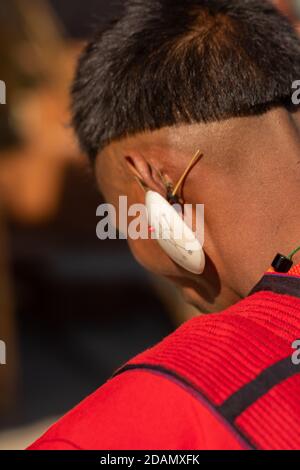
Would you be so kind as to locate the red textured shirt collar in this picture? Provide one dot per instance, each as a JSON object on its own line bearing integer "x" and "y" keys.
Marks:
{"x": 281, "y": 283}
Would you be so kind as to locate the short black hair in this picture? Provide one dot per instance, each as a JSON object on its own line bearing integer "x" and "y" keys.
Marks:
{"x": 170, "y": 62}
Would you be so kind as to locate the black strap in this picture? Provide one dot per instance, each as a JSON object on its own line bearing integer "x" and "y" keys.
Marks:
{"x": 246, "y": 396}
{"x": 280, "y": 284}
{"x": 243, "y": 398}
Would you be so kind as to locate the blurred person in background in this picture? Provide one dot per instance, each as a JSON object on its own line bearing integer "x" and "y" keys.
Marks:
{"x": 163, "y": 80}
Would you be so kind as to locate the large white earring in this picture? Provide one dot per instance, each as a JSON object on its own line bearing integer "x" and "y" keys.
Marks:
{"x": 173, "y": 234}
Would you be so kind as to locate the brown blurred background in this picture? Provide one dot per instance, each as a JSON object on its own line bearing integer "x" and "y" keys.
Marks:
{"x": 72, "y": 308}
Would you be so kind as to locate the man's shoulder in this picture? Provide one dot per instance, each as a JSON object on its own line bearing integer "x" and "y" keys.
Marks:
{"x": 209, "y": 357}
{"x": 141, "y": 399}
{"x": 137, "y": 410}
{"x": 219, "y": 353}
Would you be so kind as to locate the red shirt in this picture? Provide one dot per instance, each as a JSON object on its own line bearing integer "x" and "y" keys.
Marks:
{"x": 221, "y": 381}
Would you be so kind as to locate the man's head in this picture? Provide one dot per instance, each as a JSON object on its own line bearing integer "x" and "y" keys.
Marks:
{"x": 168, "y": 78}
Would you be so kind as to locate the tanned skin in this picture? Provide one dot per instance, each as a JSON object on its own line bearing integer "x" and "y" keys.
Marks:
{"x": 249, "y": 182}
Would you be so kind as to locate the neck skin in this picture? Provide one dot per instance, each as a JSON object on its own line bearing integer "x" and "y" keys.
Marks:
{"x": 263, "y": 208}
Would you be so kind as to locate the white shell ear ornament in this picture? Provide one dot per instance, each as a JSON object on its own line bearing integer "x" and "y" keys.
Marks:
{"x": 168, "y": 228}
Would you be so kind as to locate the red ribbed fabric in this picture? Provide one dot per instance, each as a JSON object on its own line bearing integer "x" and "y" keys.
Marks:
{"x": 220, "y": 353}
{"x": 295, "y": 271}
{"x": 272, "y": 422}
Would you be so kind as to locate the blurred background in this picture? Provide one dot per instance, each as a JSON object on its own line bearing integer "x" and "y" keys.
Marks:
{"x": 72, "y": 308}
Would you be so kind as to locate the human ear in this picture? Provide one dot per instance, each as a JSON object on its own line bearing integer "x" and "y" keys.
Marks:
{"x": 150, "y": 176}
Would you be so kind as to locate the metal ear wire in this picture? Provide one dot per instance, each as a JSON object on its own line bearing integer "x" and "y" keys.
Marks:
{"x": 195, "y": 158}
